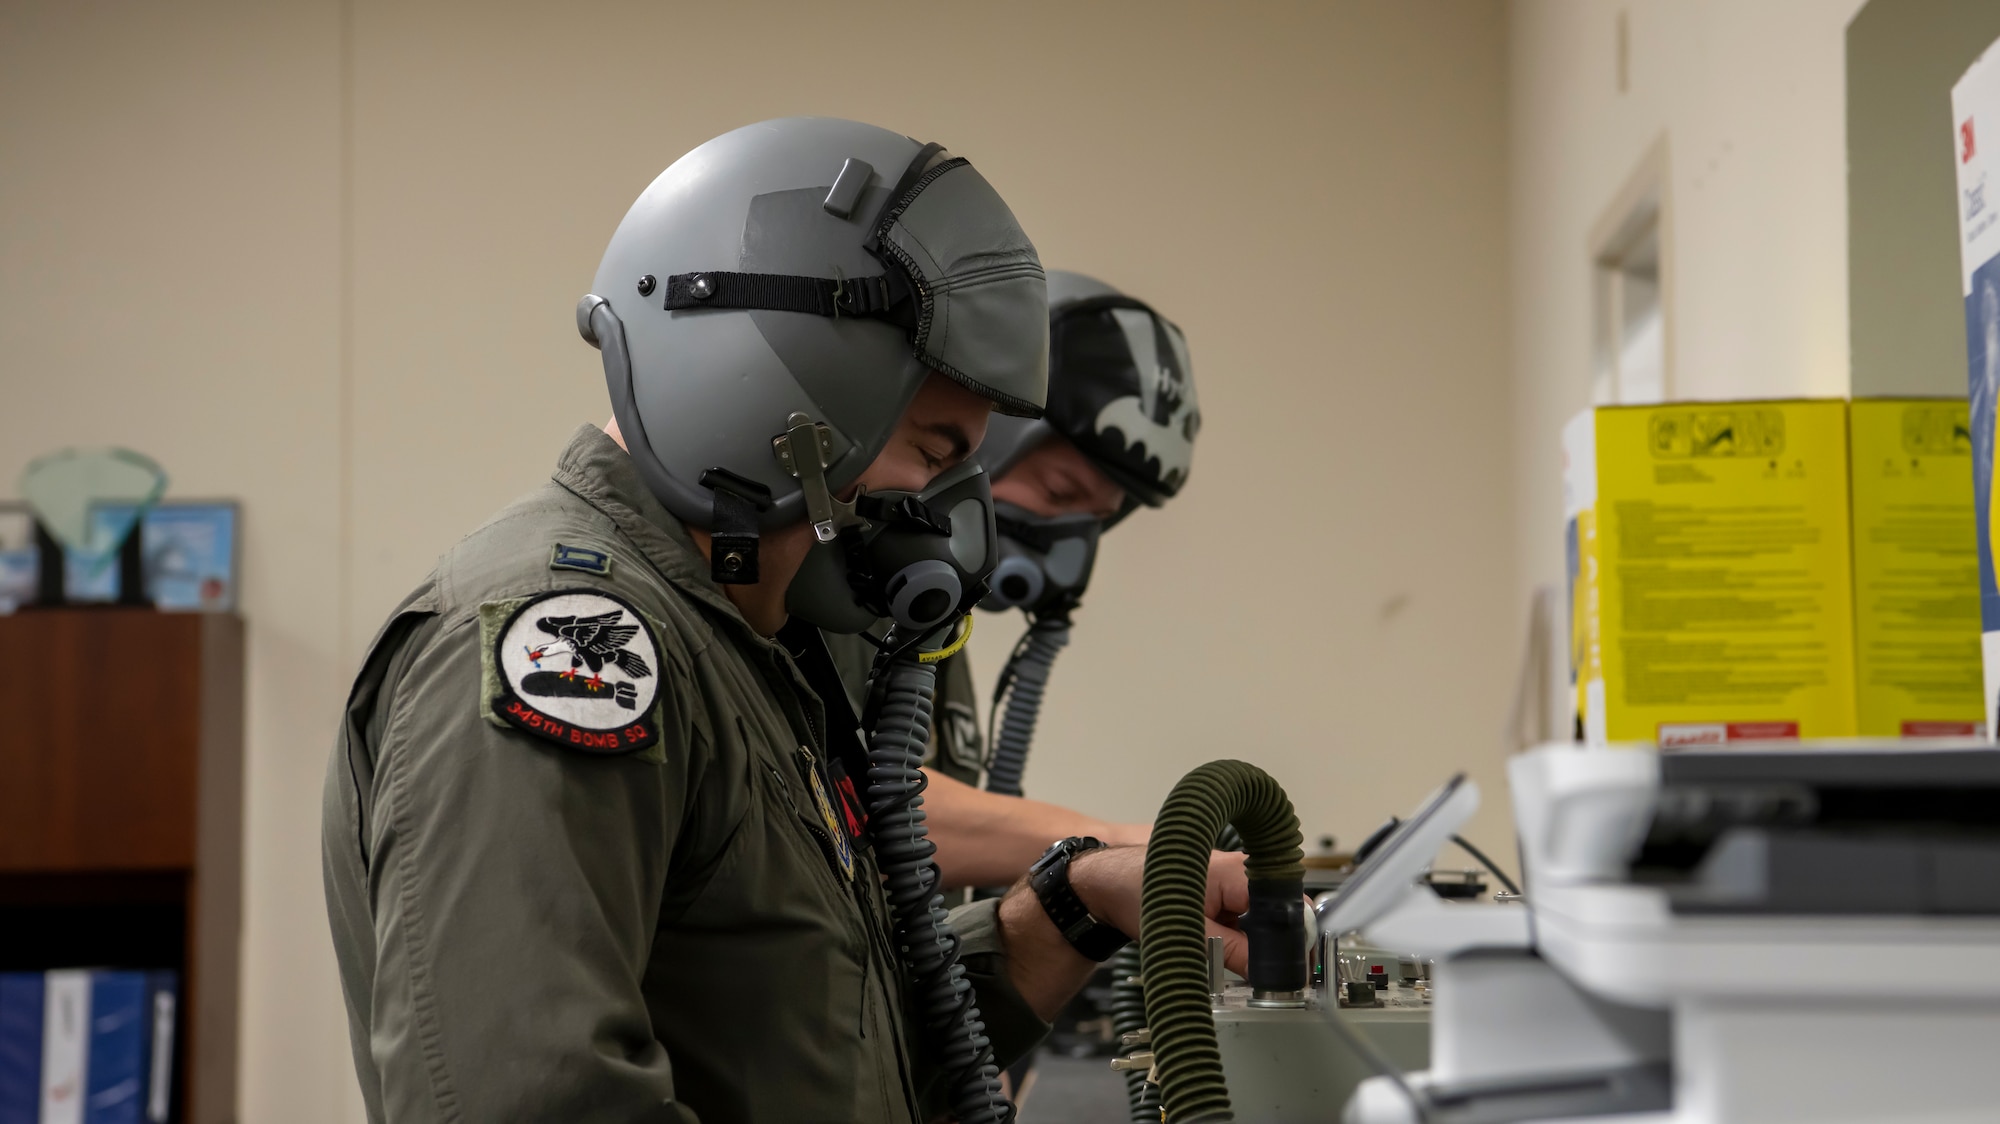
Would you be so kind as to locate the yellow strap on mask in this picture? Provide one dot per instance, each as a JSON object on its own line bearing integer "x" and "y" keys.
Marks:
{"x": 956, "y": 646}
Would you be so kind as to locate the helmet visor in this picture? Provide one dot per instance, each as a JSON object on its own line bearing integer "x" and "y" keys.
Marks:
{"x": 982, "y": 296}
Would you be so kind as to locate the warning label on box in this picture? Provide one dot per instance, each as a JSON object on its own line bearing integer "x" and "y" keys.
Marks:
{"x": 1725, "y": 598}
{"x": 1916, "y": 568}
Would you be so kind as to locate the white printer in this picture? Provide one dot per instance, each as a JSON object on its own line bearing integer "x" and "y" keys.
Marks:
{"x": 1776, "y": 934}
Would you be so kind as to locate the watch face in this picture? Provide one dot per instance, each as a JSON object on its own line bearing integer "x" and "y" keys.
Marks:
{"x": 1049, "y": 857}
{"x": 1065, "y": 850}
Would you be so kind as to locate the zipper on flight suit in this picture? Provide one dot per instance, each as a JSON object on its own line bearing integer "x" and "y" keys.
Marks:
{"x": 867, "y": 953}
{"x": 786, "y": 669}
{"x": 818, "y": 830}
{"x": 865, "y": 892}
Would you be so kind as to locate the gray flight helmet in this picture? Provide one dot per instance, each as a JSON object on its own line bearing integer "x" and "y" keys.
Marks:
{"x": 1121, "y": 389}
{"x": 805, "y": 271}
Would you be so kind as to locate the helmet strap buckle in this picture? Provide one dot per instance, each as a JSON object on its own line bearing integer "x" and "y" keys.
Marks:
{"x": 733, "y": 535}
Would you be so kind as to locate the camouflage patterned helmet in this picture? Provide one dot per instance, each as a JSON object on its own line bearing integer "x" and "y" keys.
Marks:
{"x": 1121, "y": 389}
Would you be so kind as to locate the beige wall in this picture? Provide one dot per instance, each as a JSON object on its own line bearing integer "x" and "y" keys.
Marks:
{"x": 1749, "y": 97}
{"x": 323, "y": 257}
{"x": 1301, "y": 188}
{"x": 169, "y": 251}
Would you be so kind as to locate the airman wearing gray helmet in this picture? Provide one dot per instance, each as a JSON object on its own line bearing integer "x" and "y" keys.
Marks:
{"x": 1117, "y": 433}
{"x": 592, "y": 844}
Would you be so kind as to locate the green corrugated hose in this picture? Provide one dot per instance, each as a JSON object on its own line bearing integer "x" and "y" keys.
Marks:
{"x": 1174, "y": 950}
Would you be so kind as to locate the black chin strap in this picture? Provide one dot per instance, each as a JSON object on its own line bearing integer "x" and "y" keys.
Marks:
{"x": 733, "y": 558}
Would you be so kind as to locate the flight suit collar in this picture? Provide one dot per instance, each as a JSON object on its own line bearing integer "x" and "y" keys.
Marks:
{"x": 599, "y": 471}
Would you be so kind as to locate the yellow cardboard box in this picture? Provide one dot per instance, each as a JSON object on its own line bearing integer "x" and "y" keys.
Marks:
{"x": 1916, "y": 569}
{"x": 1771, "y": 570}
{"x": 1711, "y": 571}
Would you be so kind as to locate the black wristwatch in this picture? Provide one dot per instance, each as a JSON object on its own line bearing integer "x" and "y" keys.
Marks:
{"x": 1049, "y": 878}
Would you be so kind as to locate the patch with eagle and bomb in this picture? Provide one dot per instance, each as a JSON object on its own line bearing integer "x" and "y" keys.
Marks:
{"x": 577, "y": 667}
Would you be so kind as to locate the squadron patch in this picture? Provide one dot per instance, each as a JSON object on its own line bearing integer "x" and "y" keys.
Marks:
{"x": 578, "y": 668}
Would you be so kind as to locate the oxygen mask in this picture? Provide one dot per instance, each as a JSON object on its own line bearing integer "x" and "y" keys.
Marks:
{"x": 1045, "y": 561}
{"x": 918, "y": 559}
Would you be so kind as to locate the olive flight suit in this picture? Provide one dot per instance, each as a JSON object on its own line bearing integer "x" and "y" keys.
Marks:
{"x": 581, "y": 850}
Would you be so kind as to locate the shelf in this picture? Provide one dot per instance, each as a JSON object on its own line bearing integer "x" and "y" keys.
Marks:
{"x": 121, "y": 780}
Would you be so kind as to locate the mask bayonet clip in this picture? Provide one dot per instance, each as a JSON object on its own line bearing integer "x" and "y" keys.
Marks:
{"x": 803, "y": 451}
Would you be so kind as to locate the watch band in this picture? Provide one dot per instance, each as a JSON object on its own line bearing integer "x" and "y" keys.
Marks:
{"x": 1049, "y": 878}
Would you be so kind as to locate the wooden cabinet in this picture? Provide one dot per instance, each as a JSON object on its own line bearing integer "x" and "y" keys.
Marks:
{"x": 121, "y": 813}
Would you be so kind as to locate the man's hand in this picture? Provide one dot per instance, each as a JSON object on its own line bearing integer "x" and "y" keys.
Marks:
{"x": 1047, "y": 971}
{"x": 1108, "y": 881}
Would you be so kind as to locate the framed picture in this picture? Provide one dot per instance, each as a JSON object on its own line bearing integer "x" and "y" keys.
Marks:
{"x": 191, "y": 551}
{"x": 19, "y": 563}
{"x": 189, "y": 548}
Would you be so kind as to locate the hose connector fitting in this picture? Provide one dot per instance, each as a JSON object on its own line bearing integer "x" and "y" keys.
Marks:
{"x": 1273, "y": 922}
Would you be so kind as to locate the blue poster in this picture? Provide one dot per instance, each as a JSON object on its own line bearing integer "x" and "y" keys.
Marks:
{"x": 1982, "y": 352}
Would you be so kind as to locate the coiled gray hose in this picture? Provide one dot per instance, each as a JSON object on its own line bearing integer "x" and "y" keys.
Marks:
{"x": 1128, "y": 1015}
{"x": 1025, "y": 679}
{"x": 945, "y": 998}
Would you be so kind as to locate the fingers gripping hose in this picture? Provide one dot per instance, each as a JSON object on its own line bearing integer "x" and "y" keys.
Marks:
{"x": 1174, "y": 896}
{"x": 945, "y": 998}
{"x": 1025, "y": 679}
